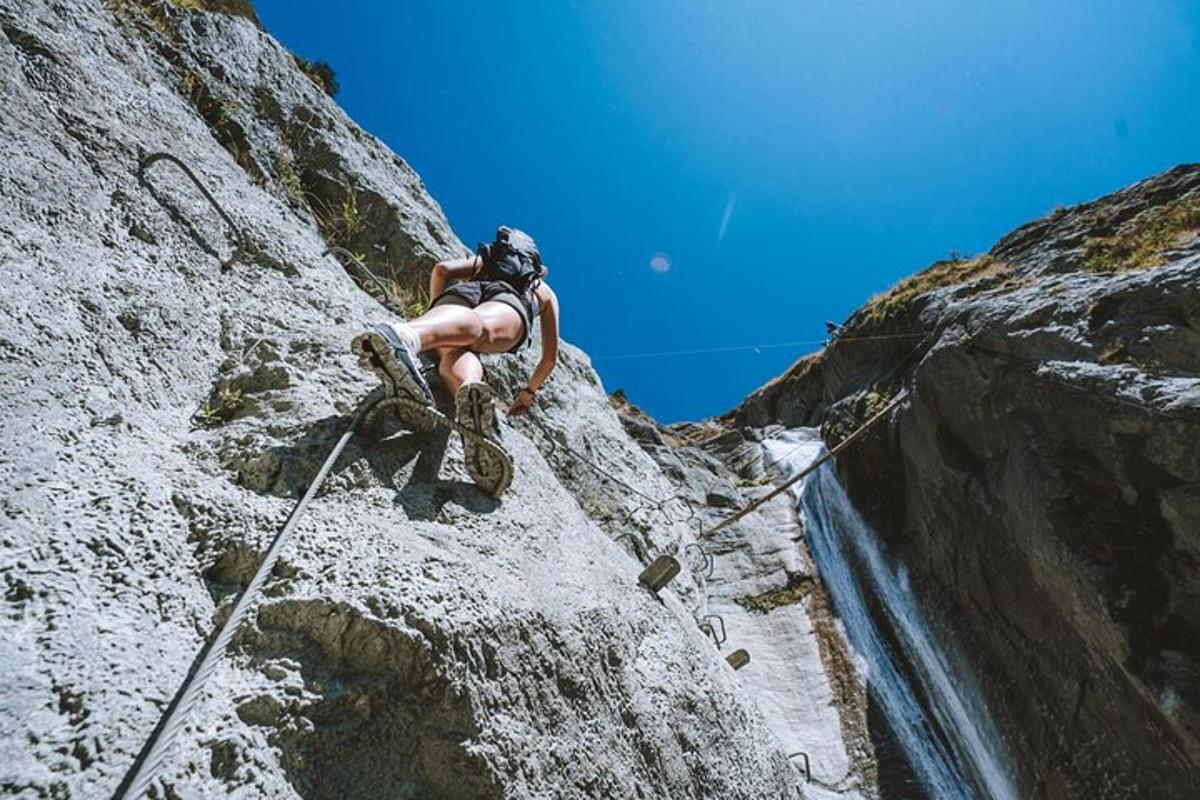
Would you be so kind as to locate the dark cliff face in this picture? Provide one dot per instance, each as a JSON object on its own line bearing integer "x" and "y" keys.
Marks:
{"x": 1042, "y": 481}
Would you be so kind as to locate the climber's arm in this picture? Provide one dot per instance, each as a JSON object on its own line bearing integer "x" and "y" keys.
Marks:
{"x": 456, "y": 269}
{"x": 548, "y": 317}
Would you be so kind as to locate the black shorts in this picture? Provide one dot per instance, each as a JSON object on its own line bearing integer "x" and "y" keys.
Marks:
{"x": 471, "y": 293}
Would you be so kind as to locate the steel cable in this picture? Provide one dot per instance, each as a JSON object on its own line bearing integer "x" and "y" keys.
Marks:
{"x": 148, "y": 762}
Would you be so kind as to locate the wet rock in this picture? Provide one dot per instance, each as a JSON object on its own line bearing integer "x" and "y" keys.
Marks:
{"x": 1039, "y": 482}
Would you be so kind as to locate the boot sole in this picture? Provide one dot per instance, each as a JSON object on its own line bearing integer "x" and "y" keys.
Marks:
{"x": 488, "y": 465}
{"x": 395, "y": 371}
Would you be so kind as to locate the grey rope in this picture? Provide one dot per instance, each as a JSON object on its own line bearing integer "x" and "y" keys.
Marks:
{"x": 242, "y": 244}
{"x": 783, "y": 487}
{"x": 145, "y": 767}
{"x": 692, "y": 514}
{"x": 341, "y": 251}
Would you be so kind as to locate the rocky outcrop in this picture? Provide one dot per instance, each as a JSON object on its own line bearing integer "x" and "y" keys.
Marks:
{"x": 169, "y": 389}
{"x": 766, "y": 596}
{"x": 172, "y": 380}
{"x": 1041, "y": 484}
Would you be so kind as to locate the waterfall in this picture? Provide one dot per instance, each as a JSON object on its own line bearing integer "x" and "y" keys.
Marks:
{"x": 941, "y": 725}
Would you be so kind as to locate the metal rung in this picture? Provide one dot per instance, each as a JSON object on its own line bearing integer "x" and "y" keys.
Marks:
{"x": 807, "y": 769}
{"x": 738, "y": 659}
{"x": 708, "y": 627}
{"x": 241, "y": 246}
{"x": 660, "y": 572}
{"x": 356, "y": 261}
{"x": 709, "y": 562}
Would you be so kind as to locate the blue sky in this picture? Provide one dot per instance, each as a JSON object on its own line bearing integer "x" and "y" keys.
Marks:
{"x": 789, "y": 159}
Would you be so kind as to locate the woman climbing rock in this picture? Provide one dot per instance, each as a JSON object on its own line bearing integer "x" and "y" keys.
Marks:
{"x": 501, "y": 293}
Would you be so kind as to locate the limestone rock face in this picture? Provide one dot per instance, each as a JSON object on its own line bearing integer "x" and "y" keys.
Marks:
{"x": 172, "y": 381}
{"x": 161, "y": 414}
{"x": 1041, "y": 483}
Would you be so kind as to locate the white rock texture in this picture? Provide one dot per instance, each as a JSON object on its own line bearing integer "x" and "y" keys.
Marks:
{"x": 161, "y": 415}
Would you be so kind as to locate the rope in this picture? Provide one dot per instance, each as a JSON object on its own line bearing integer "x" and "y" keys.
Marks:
{"x": 242, "y": 245}
{"x": 742, "y": 347}
{"x": 693, "y": 515}
{"x": 341, "y": 251}
{"x": 783, "y": 487}
{"x": 153, "y": 754}
{"x": 596, "y": 467}
{"x": 150, "y": 760}
{"x": 145, "y": 767}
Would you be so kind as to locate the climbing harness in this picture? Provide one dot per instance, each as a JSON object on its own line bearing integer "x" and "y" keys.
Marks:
{"x": 145, "y": 767}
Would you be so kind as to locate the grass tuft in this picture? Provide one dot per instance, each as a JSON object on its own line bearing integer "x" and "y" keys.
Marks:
{"x": 220, "y": 407}
{"x": 1142, "y": 241}
{"x": 956, "y": 270}
{"x": 796, "y": 589}
{"x": 289, "y": 179}
{"x": 320, "y": 73}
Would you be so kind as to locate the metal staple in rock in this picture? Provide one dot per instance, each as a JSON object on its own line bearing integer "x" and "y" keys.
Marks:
{"x": 145, "y": 767}
{"x": 242, "y": 245}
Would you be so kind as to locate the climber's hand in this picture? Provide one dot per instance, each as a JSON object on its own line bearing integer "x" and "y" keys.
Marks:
{"x": 521, "y": 403}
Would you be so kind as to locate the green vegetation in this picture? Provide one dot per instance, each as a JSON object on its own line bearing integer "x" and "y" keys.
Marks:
{"x": 340, "y": 222}
{"x": 289, "y": 179}
{"x": 220, "y": 406}
{"x": 762, "y": 480}
{"x": 953, "y": 271}
{"x": 320, "y": 73}
{"x": 1141, "y": 242}
{"x": 796, "y": 589}
{"x": 849, "y": 415}
{"x": 217, "y": 110}
{"x": 156, "y": 11}
{"x": 232, "y": 8}
{"x": 415, "y": 300}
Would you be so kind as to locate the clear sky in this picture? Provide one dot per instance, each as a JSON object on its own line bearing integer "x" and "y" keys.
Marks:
{"x": 780, "y": 162}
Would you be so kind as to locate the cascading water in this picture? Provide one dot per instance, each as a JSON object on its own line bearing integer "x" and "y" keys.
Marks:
{"x": 948, "y": 739}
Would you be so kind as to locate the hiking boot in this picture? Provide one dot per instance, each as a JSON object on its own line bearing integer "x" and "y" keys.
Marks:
{"x": 487, "y": 463}
{"x": 394, "y": 361}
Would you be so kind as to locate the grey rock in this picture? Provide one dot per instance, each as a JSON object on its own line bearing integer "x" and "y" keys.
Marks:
{"x": 161, "y": 415}
{"x": 1039, "y": 483}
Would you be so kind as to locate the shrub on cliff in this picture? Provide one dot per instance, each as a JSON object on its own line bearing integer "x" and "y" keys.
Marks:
{"x": 320, "y": 73}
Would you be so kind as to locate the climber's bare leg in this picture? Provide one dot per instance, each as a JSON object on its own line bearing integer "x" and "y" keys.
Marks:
{"x": 490, "y": 327}
{"x": 447, "y": 326}
{"x": 390, "y": 351}
{"x": 458, "y": 365}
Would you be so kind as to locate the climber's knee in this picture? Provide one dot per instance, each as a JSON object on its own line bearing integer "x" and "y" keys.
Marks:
{"x": 470, "y": 327}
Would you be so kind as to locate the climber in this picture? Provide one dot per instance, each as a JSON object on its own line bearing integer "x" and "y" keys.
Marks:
{"x": 492, "y": 309}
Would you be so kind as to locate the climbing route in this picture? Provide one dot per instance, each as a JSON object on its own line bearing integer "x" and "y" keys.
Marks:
{"x": 657, "y": 575}
{"x": 142, "y": 773}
